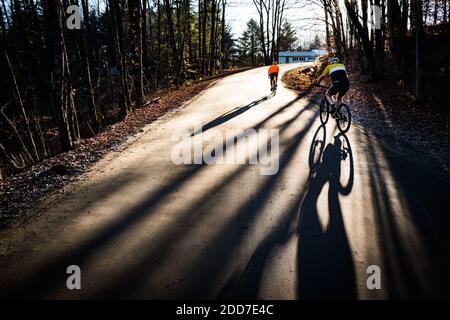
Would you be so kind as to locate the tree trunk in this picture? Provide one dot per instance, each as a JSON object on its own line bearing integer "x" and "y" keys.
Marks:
{"x": 367, "y": 46}
{"x": 189, "y": 32}
{"x": 269, "y": 52}
{"x": 222, "y": 38}
{"x": 379, "y": 46}
{"x": 412, "y": 17}
{"x": 444, "y": 4}
{"x": 171, "y": 35}
{"x": 327, "y": 27}
{"x": 436, "y": 8}
{"x": 158, "y": 35}
{"x": 35, "y": 156}
{"x": 54, "y": 38}
{"x": 204, "y": 51}
{"x": 212, "y": 41}
{"x": 419, "y": 52}
{"x": 2, "y": 23}
{"x": 261, "y": 29}
{"x": 199, "y": 40}
{"x": 124, "y": 97}
{"x": 134, "y": 7}
{"x": 87, "y": 58}
{"x": 146, "y": 22}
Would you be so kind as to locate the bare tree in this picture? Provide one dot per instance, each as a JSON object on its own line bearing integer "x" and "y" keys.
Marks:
{"x": 135, "y": 10}
{"x": 271, "y": 14}
{"x": 419, "y": 52}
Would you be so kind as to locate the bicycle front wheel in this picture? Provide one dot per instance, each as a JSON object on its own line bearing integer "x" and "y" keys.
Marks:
{"x": 343, "y": 118}
{"x": 324, "y": 112}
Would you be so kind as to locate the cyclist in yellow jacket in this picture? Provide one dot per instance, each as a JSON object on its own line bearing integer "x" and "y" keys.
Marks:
{"x": 338, "y": 75}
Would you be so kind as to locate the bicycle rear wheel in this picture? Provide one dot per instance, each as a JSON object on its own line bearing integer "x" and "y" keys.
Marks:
{"x": 324, "y": 111}
{"x": 316, "y": 148}
{"x": 343, "y": 118}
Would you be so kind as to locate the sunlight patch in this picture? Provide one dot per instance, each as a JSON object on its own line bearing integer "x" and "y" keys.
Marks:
{"x": 323, "y": 212}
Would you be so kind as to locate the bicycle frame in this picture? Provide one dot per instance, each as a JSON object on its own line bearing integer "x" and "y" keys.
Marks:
{"x": 273, "y": 84}
{"x": 337, "y": 114}
{"x": 325, "y": 96}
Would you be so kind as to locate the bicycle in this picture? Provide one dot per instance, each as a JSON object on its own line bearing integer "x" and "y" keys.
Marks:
{"x": 342, "y": 115}
{"x": 273, "y": 85}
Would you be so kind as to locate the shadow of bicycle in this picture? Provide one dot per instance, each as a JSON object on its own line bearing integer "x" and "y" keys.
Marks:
{"x": 324, "y": 259}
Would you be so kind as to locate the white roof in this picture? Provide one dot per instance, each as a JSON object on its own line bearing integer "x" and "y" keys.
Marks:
{"x": 312, "y": 53}
{"x": 320, "y": 51}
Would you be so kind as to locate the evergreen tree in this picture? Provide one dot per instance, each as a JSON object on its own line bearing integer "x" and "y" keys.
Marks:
{"x": 249, "y": 43}
{"x": 288, "y": 37}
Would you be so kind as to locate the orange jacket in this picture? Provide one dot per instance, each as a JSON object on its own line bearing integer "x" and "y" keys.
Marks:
{"x": 273, "y": 69}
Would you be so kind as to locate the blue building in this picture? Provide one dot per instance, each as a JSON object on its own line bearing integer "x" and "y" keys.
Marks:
{"x": 300, "y": 56}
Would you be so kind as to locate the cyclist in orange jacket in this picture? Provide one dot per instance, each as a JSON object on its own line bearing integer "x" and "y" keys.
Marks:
{"x": 273, "y": 72}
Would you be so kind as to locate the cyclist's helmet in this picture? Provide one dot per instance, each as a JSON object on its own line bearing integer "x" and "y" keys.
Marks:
{"x": 275, "y": 62}
{"x": 333, "y": 60}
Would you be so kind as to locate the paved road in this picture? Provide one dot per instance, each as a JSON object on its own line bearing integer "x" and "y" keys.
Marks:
{"x": 140, "y": 226}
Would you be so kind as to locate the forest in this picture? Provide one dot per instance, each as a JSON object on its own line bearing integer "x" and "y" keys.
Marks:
{"x": 400, "y": 22}
{"x": 60, "y": 85}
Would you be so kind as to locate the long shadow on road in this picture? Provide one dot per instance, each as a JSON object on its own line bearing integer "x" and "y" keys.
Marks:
{"x": 49, "y": 275}
{"x": 415, "y": 252}
{"x": 324, "y": 261}
{"x": 221, "y": 247}
{"x": 231, "y": 114}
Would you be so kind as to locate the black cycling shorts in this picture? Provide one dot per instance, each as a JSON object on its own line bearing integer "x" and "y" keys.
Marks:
{"x": 339, "y": 86}
{"x": 274, "y": 74}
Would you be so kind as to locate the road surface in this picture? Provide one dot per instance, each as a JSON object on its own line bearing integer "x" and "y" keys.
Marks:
{"x": 309, "y": 223}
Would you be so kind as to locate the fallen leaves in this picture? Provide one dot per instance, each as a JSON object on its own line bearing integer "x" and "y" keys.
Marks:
{"x": 388, "y": 108}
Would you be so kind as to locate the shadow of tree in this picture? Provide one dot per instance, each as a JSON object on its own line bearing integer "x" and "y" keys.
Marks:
{"x": 218, "y": 254}
{"x": 325, "y": 266}
{"x": 324, "y": 259}
{"x": 231, "y": 114}
{"x": 48, "y": 276}
{"x": 411, "y": 272}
